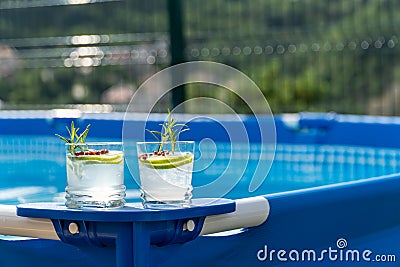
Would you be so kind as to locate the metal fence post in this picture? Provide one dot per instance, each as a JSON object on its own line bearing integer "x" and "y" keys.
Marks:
{"x": 177, "y": 44}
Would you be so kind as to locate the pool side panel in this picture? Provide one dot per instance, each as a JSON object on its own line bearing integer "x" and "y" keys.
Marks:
{"x": 50, "y": 253}
{"x": 331, "y": 128}
{"x": 365, "y": 214}
{"x": 311, "y": 128}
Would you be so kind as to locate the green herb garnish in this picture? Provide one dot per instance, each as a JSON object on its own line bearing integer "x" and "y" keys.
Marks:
{"x": 75, "y": 138}
{"x": 170, "y": 131}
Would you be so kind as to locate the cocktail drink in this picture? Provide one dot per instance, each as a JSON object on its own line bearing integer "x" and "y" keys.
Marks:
{"x": 166, "y": 173}
{"x": 95, "y": 175}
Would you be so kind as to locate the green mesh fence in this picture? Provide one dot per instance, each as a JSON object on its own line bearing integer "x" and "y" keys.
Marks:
{"x": 307, "y": 55}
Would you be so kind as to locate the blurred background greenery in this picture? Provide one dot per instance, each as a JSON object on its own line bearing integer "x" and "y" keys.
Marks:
{"x": 305, "y": 55}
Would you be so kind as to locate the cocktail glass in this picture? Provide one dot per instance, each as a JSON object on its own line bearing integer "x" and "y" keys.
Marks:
{"x": 95, "y": 175}
{"x": 165, "y": 171}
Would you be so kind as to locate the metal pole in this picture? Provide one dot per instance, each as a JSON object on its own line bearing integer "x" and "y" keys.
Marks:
{"x": 177, "y": 44}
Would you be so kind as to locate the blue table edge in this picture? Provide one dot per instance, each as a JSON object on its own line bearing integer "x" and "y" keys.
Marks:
{"x": 130, "y": 212}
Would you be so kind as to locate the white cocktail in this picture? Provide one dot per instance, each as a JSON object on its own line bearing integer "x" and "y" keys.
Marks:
{"x": 166, "y": 175}
{"x": 95, "y": 175}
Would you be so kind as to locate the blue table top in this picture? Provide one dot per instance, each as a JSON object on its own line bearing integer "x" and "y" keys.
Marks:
{"x": 131, "y": 212}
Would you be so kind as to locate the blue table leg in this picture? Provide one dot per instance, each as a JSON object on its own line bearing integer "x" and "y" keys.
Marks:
{"x": 141, "y": 245}
{"x": 124, "y": 246}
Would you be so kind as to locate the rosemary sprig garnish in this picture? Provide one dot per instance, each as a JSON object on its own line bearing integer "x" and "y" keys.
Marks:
{"x": 75, "y": 138}
{"x": 170, "y": 131}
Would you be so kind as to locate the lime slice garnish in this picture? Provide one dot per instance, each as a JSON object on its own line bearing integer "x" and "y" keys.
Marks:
{"x": 101, "y": 159}
{"x": 168, "y": 161}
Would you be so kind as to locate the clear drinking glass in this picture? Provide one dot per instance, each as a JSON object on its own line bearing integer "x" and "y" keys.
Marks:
{"x": 95, "y": 175}
{"x": 165, "y": 171}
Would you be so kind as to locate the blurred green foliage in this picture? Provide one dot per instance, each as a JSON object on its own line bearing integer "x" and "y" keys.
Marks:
{"x": 311, "y": 55}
